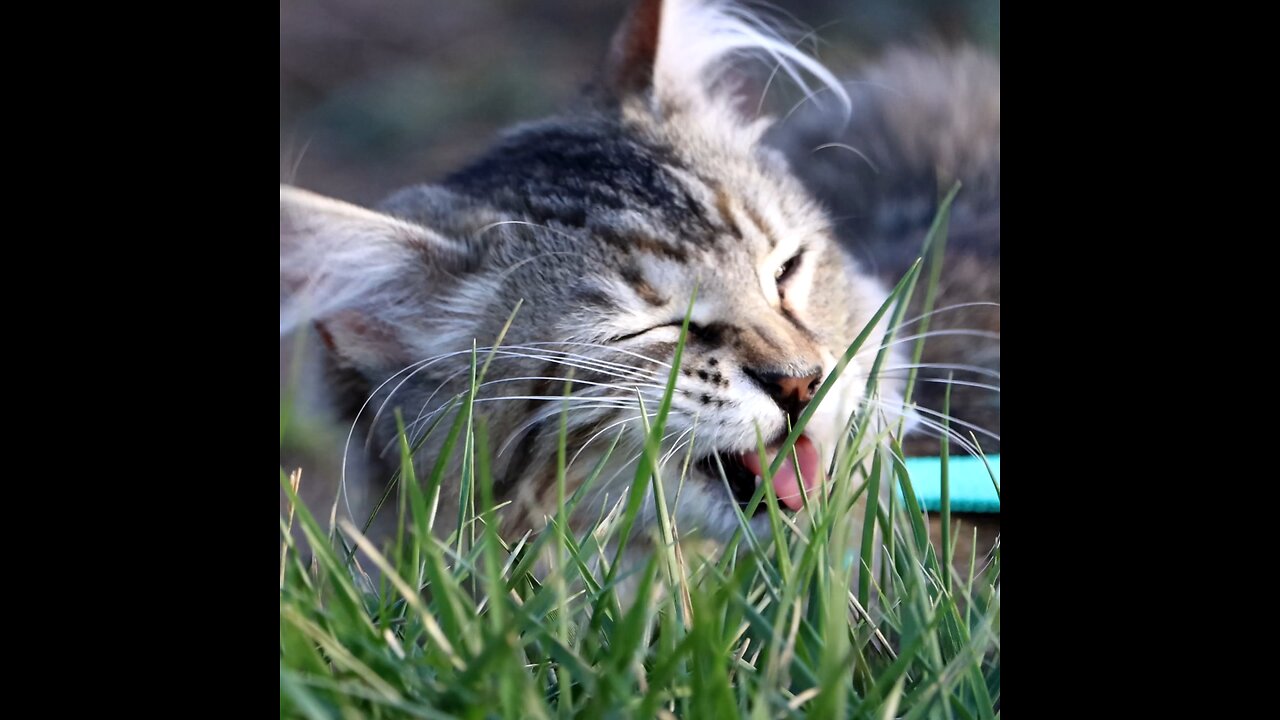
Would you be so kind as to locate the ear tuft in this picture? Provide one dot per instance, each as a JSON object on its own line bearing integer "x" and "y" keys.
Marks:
{"x": 365, "y": 278}
{"x": 678, "y": 50}
{"x": 634, "y": 50}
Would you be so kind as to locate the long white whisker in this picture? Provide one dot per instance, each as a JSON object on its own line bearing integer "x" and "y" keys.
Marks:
{"x": 957, "y": 421}
{"x": 422, "y": 365}
{"x": 945, "y": 308}
{"x": 602, "y": 431}
{"x": 629, "y": 464}
{"x": 935, "y": 429}
{"x": 628, "y": 390}
{"x": 636, "y": 375}
{"x": 602, "y": 402}
{"x": 612, "y": 348}
{"x": 940, "y": 415}
{"x": 932, "y": 333}
{"x": 851, "y": 149}
{"x": 585, "y": 364}
{"x": 552, "y": 410}
{"x": 946, "y": 381}
{"x": 346, "y": 447}
{"x": 944, "y": 366}
{"x": 613, "y": 365}
{"x": 959, "y": 439}
{"x": 811, "y": 34}
{"x": 663, "y": 461}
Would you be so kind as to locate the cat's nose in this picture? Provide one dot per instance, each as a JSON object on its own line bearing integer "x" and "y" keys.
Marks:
{"x": 791, "y": 392}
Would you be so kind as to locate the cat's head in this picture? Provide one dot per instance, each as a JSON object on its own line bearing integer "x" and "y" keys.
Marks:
{"x": 601, "y": 224}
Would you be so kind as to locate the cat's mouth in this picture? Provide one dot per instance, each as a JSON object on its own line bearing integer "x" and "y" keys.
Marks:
{"x": 744, "y": 470}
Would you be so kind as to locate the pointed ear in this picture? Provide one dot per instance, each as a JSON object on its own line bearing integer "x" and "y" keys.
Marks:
{"x": 366, "y": 279}
{"x": 634, "y": 50}
{"x": 675, "y": 51}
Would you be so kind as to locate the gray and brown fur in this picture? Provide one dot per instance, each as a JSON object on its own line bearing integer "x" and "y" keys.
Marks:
{"x": 923, "y": 118}
{"x": 600, "y": 223}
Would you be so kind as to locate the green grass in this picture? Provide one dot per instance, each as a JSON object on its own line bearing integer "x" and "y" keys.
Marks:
{"x": 782, "y": 625}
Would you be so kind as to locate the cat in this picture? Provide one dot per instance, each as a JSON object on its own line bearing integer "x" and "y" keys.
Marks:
{"x": 600, "y": 224}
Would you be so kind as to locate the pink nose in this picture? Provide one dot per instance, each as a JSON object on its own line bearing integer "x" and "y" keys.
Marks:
{"x": 800, "y": 387}
{"x": 791, "y": 392}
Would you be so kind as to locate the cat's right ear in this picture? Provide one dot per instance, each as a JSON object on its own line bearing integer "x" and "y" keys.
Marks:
{"x": 367, "y": 280}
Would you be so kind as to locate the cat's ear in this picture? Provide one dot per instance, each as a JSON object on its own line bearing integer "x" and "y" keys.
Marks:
{"x": 676, "y": 52}
{"x": 367, "y": 280}
{"x": 633, "y": 53}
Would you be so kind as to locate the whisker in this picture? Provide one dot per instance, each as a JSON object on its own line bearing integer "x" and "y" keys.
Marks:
{"x": 346, "y": 447}
{"x": 628, "y": 465}
{"x": 602, "y": 402}
{"x": 946, "y": 381}
{"x": 941, "y": 416}
{"x": 538, "y": 226}
{"x": 506, "y": 355}
{"x": 586, "y": 364}
{"x": 957, "y": 421}
{"x": 552, "y": 410}
{"x": 813, "y": 35}
{"x": 603, "y": 430}
{"x": 612, "y": 348}
{"x": 945, "y": 308}
{"x": 807, "y": 98}
{"x": 663, "y": 461}
{"x": 427, "y": 362}
{"x": 986, "y": 334}
{"x": 933, "y": 429}
{"x": 591, "y": 360}
{"x": 427, "y": 403}
{"x": 627, "y": 390}
{"x": 851, "y": 149}
{"x": 968, "y": 447}
{"x": 944, "y": 366}
{"x": 926, "y": 422}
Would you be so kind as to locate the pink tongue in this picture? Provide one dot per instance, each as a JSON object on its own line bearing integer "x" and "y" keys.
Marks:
{"x": 786, "y": 484}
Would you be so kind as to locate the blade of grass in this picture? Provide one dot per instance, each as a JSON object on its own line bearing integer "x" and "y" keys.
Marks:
{"x": 935, "y": 243}
{"x": 659, "y": 426}
{"x": 945, "y": 510}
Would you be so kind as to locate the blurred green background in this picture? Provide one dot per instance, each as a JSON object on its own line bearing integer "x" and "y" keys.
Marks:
{"x": 379, "y": 94}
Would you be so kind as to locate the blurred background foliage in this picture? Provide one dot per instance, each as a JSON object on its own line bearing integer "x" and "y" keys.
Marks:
{"x": 379, "y": 94}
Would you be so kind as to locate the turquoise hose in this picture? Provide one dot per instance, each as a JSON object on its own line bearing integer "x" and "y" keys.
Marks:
{"x": 970, "y": 483}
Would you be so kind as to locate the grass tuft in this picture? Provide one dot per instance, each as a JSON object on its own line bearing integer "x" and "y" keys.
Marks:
{"x": 801, "y": 621}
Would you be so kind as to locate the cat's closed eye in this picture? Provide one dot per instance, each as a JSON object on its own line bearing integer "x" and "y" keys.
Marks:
{"x": 708, "y": 333}
{"x": 631, "y": 336}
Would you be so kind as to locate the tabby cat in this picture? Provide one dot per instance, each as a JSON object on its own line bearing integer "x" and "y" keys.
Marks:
{"x": 578, "y": 241}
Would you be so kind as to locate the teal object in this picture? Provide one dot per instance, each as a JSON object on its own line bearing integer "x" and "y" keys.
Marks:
{"x": 970, "y": 483}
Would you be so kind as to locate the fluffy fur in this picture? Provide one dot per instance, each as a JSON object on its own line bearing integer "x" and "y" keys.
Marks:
{"x": 924, "y": 119}
{"x": 600, "y": 224}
